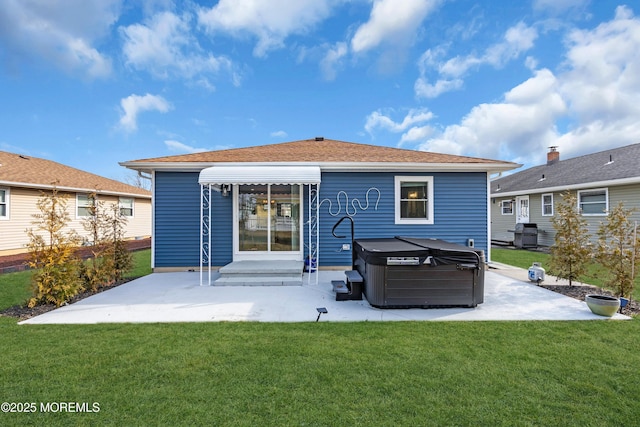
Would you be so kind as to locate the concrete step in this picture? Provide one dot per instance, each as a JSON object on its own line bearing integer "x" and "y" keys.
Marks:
{"x": 258, "y": 281}
{"x": 261, "y": 273}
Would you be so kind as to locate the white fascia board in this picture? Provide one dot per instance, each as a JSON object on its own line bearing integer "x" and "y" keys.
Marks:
{"x": 333, "y": 166}
{"x": 72, "y": 189}
{"x": 561, "y": 188}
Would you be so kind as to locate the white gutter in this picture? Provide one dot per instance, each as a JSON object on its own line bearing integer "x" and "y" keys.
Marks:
{"x": 561, "y": 188}
{"x": 72, "y": 189}
{"x": 330, "y": 166}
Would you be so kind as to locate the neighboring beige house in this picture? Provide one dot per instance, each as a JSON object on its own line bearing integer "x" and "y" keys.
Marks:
{"x": 24, "y": 178}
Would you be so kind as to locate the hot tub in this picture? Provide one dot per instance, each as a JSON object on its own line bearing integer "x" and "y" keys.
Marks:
{"x": 405, "y": 272}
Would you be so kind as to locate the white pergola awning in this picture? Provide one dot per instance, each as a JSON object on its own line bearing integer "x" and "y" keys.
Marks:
{"x": 245, "y": 174}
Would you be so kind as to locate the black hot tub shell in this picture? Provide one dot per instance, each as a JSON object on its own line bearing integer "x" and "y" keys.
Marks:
{"x": 405, "y": 272}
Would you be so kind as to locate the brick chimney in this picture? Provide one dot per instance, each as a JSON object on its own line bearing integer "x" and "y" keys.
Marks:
{"x": 553, "y": 155}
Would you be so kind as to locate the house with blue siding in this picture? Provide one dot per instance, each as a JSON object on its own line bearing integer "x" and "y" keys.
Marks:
{"x": 280, "y": 202}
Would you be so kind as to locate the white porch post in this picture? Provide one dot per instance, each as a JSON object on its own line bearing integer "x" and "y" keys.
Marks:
{"x": 317, "y": 208}
{"x": 313, "y": 236}
{"x": 205, "y": 232}
{"x": 309, "y": 250}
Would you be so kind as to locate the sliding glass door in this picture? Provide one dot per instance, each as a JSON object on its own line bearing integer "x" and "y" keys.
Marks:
{"x": 268, "y": 219}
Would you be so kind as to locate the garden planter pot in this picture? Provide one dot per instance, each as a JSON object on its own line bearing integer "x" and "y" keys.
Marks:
{"x": 602, "y": 305}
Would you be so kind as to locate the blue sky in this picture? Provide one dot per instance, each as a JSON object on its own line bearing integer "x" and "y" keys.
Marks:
{"x": 90, "y": 83}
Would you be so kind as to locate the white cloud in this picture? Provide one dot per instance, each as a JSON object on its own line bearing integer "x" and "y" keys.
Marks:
{"x": 165, "y": 47}
{"x": 417, "y": 133}
{"x": 587, "y": 105}
{"x": 517, "y": 40}
{"x": 379, "y": 120}
{"x": 602, "y": 85}
{"x": 594, "y": 95}
{"x": 332, "y": 60}
{"x": 178, "y": 146}
{"x": 61, "y": 32}
{"x": 270, "y": 21}
{"x": 391, "y": 21}
{"x": 279, "y": 134}
{"x": 135, "y": 104}
{"x": 424, "y": 89}
{"x": 517, "y": 128}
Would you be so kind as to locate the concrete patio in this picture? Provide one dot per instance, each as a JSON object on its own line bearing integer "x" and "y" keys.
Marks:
{"x": 178, "y": 297}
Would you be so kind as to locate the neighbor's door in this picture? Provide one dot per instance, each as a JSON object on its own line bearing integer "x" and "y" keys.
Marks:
{"x": 522, "y": 209}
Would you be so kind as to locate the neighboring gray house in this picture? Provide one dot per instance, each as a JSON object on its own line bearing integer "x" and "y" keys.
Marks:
{"x": 600, "y": 181}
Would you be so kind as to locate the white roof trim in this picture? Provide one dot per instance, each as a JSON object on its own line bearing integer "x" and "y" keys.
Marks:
{"x": 73, "y": 189}
{"x": 561, "y": 188}
{"x": 332, "y": 166}
{"x": 245, "y": 174}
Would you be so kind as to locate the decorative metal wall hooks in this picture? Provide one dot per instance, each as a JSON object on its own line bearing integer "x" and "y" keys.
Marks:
{"x": 350, "y": 208}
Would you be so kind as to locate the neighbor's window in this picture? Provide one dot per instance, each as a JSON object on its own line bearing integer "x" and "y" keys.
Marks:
{"x": 83, "y": 204}
{"x": 4, "y": 203}
{"x": 547, "y": 205}
{"x": 593, "y": 202}
{"x": 414, "y": 199}
{"x": 126, "y": 206}
{"x": 507, "y": 207}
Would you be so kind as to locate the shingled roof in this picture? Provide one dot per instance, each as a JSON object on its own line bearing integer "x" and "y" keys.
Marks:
{"x": 601, "y": 168}
{"x": 18, "y": 170}
{"x": 318, "y": 151}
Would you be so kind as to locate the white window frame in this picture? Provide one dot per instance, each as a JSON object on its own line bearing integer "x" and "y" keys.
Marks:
{"x": 594, "y": 190}
{"x": 398, "y": 193}
{"x": 547, "y": 204}
{"x": 502, "y": 206}
{"x": 78, "y": 206}
{"x": 6, "y": 203}
{"x": 121, "y": 206}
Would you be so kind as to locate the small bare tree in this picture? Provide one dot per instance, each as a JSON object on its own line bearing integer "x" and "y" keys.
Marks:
{"x": 52, "y": 252}
{"x": 121, "y": 257}
{"x": 98, "y": 270}
{"x": 618, "y": 250}
{"x": 571, "y": 250}
{"x": 110, "y": 255}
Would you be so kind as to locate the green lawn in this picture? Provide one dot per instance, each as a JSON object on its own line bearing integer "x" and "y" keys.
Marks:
{"x": 524, "y": 259}
{"x": 325, "y": 374}
{"x": 321, "y": 374}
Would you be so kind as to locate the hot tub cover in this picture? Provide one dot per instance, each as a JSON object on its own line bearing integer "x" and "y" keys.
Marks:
{"x": 376, "y": 251}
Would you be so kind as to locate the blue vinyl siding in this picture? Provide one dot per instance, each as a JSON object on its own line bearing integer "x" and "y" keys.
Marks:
{"x": 460, "y": 213}
{"x": 460, "y": 210}
{"x": 177, "y": 222}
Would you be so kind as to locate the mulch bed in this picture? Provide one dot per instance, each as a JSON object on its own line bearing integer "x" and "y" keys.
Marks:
{"x": 22, "y": 312}
{"x": 12, "y": 263}
{"x": 580, "y": 291}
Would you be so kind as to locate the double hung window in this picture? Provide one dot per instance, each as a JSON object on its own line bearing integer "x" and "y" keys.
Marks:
{"x": 593, "y": 202}
{"x": 4, "y": 203}
{"x": 414, "y": 199}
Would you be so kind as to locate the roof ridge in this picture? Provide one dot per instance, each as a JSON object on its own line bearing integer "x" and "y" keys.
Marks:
{"x": 45, "y": 173}
{"x": 327, "y": 150}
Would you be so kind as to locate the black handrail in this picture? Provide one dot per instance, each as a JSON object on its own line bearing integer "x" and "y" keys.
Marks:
{"x": 333, "y": 232}
{"x": 338, "y": 223}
